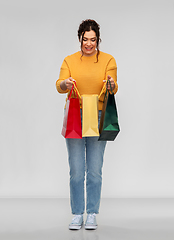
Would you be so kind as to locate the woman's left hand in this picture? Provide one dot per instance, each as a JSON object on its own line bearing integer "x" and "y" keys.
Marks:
{"x": 111, "y": 81}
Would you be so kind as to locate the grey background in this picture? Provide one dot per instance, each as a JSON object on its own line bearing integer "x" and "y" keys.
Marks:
{"x": 35, "y": 38}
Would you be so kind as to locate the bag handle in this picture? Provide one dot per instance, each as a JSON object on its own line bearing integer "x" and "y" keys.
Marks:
{"x": 70, "y": 92}
{"x": 75, "y": 87}
{"x": 75, "y": 90}
{"x": 106, "y": 88}
{"x": 110, "y": 86}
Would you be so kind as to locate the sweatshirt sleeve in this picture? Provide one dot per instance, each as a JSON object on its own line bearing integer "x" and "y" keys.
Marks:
{"x": 64, "y": 74}
{"x": 111, "y": 69}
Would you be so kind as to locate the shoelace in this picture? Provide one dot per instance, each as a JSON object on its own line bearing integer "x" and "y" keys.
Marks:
{"x": 76, "y": 218}
{"x": 91, "y": 218}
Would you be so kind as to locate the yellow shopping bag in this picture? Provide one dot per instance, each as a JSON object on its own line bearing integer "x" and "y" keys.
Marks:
{"x": 90, "y": 116}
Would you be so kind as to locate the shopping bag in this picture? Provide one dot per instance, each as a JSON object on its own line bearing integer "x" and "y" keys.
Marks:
{"x": 72, "y": 118}
{"x": 90, "y": 115}
{"x": 109, "y": 127}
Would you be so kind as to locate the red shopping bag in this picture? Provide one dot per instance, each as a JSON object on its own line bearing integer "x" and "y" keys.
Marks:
{"x": 72, "y": 118}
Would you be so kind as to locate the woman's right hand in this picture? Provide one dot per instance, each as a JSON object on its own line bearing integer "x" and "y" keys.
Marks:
{"x": 67, "y": 83}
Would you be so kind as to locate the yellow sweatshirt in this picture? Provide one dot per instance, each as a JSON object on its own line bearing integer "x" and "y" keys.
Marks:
{"x": 88, "y": 73}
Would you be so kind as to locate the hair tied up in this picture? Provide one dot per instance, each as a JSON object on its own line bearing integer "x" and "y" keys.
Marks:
{"x": 86, "y": 26}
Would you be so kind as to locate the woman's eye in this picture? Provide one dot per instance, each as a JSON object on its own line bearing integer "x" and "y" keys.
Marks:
{"x": 92, "y": 40}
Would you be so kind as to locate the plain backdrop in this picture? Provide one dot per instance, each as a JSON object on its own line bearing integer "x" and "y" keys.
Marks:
{"x": 35, "y": 37}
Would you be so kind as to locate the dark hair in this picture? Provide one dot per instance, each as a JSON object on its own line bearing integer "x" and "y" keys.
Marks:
{"x": 86, "y": 26}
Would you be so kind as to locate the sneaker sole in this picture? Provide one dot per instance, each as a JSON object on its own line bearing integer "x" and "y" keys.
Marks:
{"x": 75, "y": 227}
{"x": 90, "y": 227}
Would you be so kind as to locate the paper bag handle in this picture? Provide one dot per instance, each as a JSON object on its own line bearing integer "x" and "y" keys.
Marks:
{"x": 106, "y": 88}
{"x": 75, "y": 87}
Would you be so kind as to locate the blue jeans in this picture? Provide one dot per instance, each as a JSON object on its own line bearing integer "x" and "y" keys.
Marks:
{"x": 85, "y": 156}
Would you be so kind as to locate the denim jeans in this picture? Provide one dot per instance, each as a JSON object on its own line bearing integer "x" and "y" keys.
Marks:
{"x": 85, "y": 156}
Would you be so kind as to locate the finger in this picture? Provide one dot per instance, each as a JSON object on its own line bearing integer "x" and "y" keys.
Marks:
{"x": 72, "y": 81}
{"x": 111, "y": 80}
{"x": 108, "y": 87}
{"x": 70, "y": 78}
{"x": 68, "y": 83}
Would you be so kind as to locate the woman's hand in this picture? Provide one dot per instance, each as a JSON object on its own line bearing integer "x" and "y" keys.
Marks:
{"x": 111, "y": 81}
{"x": 67, "y": 83}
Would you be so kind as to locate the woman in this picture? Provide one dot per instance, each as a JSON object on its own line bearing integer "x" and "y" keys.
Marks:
{"x": 90, "y": 68}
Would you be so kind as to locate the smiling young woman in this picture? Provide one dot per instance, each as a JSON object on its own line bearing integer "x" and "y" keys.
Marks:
{"x": 89, "y": 68}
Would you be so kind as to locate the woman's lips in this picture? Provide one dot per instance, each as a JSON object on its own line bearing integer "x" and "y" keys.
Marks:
{"x": 88, "y": 49}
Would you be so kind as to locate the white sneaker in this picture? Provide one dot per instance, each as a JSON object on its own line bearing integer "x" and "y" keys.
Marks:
{"x": 91, "y": 223}
{"x": 76, "y": 222}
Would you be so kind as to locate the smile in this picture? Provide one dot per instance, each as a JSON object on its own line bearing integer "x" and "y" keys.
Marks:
{"x": 89, "y": 49}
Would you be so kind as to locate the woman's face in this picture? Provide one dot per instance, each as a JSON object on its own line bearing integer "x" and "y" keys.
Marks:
{"x": 89, "y": 43}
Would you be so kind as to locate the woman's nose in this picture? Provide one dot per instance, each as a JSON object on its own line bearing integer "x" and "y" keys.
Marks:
{"x": 88, "y": 42}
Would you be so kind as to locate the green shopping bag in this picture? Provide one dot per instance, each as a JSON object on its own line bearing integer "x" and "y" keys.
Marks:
{"x": 109, "y": 127}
